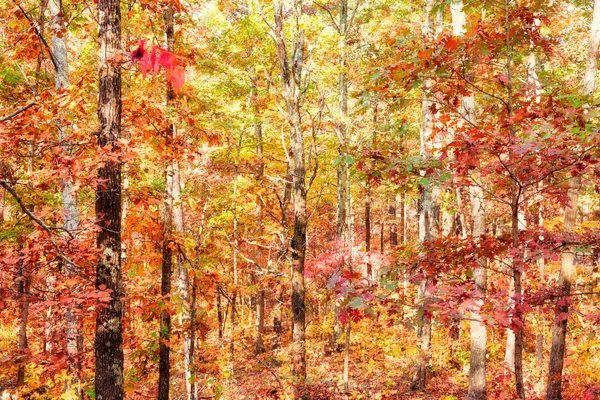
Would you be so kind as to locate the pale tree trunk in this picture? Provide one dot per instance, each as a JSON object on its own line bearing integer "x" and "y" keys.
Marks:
{"x": 343, "y": 181}
{"x": 477, "y": 365}
{"x": 234, "y": 246}
{"x": 183, "y": 284}
{"x": 164, "y": 365}
{"x": 291, "y": 77}
{"x": 542, "y": 270}
{"x": 69, "y": 201}
{"x": 516, "y": 196}
{"x": 109, "y": 326}
{"x": 428, "y": 213}
{"x": 565, "y": 278}
{"x": 259, "y": 346}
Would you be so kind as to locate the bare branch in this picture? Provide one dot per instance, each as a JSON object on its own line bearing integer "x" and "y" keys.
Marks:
{"x": 18, "y": 111}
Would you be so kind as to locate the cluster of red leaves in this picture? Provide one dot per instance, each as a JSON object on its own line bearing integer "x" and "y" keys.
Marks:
{"x": 151, "y": 61}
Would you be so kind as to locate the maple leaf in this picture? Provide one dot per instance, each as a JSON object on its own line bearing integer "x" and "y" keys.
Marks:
{"x": 177, "y": 78}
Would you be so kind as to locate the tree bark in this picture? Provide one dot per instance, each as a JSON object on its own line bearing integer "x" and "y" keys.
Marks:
{"x": 565, "y": 278}
{"x": 74, "y": 343}
{"x": 109, "y": 325}
{"x": 428, "y": 213}
{"x": 164, "y": 364}
{"x": 392, "y": 218}
{"x": 23, "y": 291}
{"x": 291, "y": 77}
{"x": 477, "y": 365}
{"x": 259, "y": 346}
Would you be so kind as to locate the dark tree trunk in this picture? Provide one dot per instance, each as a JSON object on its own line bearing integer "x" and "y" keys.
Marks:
{"x": 109, "y": 326}
{"x": 23, "y": 291}
{"x": 393, "y": 224}
{"x": 164, "y": 364}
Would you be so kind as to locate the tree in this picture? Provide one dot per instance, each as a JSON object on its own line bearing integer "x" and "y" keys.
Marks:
{"x": 291, "y": 64}
{"x": 567, "y": 257}
{"x": 108, "y": 342}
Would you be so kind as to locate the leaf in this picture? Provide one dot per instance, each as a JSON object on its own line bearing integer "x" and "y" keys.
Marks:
{"x": 177, "y": 78}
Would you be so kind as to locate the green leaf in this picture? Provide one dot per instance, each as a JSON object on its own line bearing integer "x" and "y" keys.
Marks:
{"x": 356, "y": 303}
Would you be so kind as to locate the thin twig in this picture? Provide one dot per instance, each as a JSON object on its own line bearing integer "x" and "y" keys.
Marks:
{"x": 18, "y": 111}
{"x": 38, "y": 221}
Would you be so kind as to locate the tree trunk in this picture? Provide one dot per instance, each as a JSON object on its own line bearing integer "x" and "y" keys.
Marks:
{"x": 565, "y": 278}
{"x": 183, "y": 282}
{"x": 109, "y": 325}
{"x": 259, "y": 346}
{"x": 428, "y": 214}
{"x": 164, "y": 365}
{"x": 291, "y": 77}
{"x": 392, "y": 218}
{"x": 23, "y": 291}
{"x": 477, "y": 365}
{"x": 477, "y": 379}
{"x": 69, "y": 200}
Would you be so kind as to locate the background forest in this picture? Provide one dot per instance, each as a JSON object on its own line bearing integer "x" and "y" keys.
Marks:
{"x": 365, "y": 199}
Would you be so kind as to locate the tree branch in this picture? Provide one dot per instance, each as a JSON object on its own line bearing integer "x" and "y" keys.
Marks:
{"x": 18, "y": 111}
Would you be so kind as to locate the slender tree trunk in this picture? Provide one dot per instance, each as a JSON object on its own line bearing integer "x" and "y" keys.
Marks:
{"x": 291, "y": 77}
{"x": 183, "y": 283}
{"x": 164, "y": 365}
{"x": 368, "y": 233}
{"x": 69, "y": 200}
{"x": 23, "y": 292}
{"x": 428, "y": 214}
{"x": 235, "y": 245}
{"x": 343, "y": 181}
{"x": 565, "y": 278}
{"x": 109, "y": 325}
{"x": 392, "y": 218}
{"x": 259, "y": 346}
{"x": 220, "y": 318}
{"x": 165, "y": 289}
{"x": 477, "y": 364}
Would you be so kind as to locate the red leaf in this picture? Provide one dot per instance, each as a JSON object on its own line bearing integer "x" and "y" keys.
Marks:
{"x": 452, "y": 44}
{"x": 168, "y": 61}
{"x": 177, "y": 78}
{"x": 138, "y": 54}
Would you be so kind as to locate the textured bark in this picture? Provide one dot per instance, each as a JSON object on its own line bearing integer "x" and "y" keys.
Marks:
{"x": 477, "y": 365}
{"x": 74, "y": 342}
{"x": 183, "y": 285}
{"x": 428, "y": 213}
{"x": 368, "y": 233}
{"x": 23, "y": 291}
{"x": 392, "y": 218}
{"x": 259, "y": 346}
{"x": 343, "y": 181}
{"x": 109, "y": 328}
{"x": 164, "y": 363}
{"x": 565, "y": 279}
{"x": 291, "y": 77}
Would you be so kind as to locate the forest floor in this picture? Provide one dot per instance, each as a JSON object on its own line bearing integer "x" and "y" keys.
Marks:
{"x": 381, "y": 366}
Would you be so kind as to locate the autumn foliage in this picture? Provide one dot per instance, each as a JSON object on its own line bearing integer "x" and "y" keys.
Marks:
{"x": 429, "y": 169}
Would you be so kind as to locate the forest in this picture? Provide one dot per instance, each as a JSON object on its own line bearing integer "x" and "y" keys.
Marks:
{"x": 299, "y": 199}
